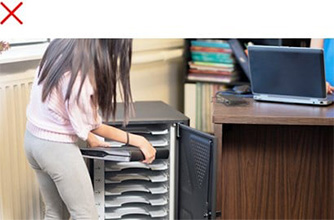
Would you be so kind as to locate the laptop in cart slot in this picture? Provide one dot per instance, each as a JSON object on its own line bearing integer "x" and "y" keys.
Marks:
{"x": 288, "y": 74}
{"x": 120, "y": 154}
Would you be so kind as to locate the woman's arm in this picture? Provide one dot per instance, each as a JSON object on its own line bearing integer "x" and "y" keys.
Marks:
{"x": 329, "y": 88}
{"x": 93, "y": 141}
{"x": 317, "y": 43}
{"x": 134, "y": 140}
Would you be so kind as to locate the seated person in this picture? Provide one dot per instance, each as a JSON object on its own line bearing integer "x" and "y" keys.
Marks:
{"x": 328, "y": 46}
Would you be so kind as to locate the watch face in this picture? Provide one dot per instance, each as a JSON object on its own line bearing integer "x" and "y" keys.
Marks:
{"x": 241, "y": 59}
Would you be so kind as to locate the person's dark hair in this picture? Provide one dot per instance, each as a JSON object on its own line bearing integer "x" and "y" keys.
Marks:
{"x": 108, "y": 59}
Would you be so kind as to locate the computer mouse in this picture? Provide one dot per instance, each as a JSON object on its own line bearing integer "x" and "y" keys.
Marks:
{"x": 242, "y": 89}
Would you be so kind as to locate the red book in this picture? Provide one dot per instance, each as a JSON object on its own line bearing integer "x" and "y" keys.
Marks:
{"x": 211, "y": 49}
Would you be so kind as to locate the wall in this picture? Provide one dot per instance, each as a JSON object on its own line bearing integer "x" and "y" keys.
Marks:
{"x": 156, "y": 72}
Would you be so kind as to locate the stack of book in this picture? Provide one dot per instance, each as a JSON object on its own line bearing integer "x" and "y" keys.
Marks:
{"x": 211, "y": 61}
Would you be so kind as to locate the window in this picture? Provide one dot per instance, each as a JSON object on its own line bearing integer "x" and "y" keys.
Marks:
{"x": 24, "y": 49}
{"x": 14, "y": 42}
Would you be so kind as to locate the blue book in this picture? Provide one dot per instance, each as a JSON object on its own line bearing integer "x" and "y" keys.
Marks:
{"x": 199, "y": 43}
{"x": 211, "y": 57}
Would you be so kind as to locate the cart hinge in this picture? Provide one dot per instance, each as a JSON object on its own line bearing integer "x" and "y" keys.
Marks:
{"x": 177, "y": 125}
{"x": 209, "y": 214}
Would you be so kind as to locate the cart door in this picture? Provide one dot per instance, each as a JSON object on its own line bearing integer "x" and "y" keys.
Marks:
{"x": 197, "y": 174}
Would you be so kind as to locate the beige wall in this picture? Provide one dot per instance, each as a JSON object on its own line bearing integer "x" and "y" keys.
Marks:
{"x": 156, "y": 72}
{"x": 158, "y": 81}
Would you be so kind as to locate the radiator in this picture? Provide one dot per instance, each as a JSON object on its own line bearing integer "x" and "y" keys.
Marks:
{"x": 19, "y": 193}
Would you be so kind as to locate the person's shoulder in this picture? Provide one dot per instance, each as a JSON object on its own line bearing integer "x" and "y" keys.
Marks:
{"x": 317, "y": 43}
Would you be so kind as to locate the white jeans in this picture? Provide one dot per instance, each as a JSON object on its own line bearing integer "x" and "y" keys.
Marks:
{"x": 63, "y": 178}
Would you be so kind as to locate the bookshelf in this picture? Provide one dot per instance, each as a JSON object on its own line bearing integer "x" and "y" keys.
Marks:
{"x": 205, "y": 73}
{"x": 209, "y": 67}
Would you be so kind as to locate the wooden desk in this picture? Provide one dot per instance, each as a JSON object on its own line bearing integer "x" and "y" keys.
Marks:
{"x": 275, "y": 161}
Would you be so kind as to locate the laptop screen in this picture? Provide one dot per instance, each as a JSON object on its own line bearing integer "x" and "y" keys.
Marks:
{"x": 291, "y": 71}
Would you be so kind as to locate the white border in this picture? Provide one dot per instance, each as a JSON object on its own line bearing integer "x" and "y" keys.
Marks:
{"x": 185, "y": 19}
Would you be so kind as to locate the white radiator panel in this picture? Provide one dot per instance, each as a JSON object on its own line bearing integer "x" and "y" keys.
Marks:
{"x": 19, "y": 193}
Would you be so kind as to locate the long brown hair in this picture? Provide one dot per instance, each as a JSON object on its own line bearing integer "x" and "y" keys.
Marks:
{"x": 108, "y": 59}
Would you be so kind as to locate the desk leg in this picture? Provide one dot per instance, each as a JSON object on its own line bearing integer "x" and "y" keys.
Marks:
{"x": 218, "y": 132}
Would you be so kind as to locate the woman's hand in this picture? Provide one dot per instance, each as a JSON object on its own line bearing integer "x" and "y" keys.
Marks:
{"x": 329, "y": 88}
{"x": 132, "y": 139}
{"x": 148, "y": 150}
{"x": 94, "y": 142}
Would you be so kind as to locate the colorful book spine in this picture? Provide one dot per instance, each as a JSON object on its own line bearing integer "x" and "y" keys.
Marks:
{"x": 204, "y": 99}
{"x": 208, "y": 43}
{"x": 211, "y": 67}
{"x": 214, "y": 64}
{"x": 200, "y": 78}
{"x": 199, "y": 106}
{"x": 210, "y": 72}
{"x": 211, "y": 49}
{"x": 211, "y": 57}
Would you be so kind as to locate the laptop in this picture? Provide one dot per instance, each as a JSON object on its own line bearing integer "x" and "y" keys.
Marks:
{"x": 288, "y": 74}
{"x": 126, "y": 154}
{"x": 240, "y": 56}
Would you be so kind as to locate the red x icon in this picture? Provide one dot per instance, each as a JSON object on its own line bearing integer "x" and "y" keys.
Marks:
{"x": 11, "y": 13}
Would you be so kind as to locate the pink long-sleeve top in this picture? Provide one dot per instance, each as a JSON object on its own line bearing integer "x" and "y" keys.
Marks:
{"x": 59, "y": 120}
